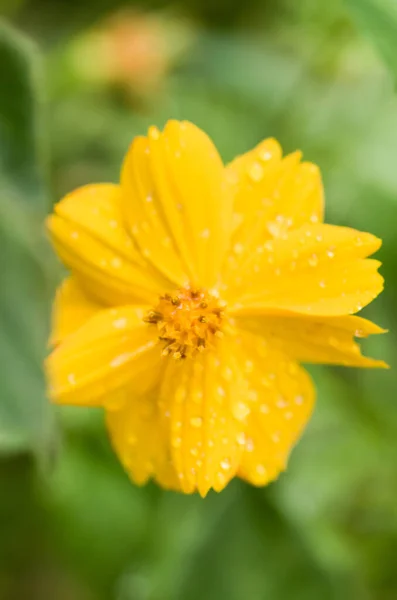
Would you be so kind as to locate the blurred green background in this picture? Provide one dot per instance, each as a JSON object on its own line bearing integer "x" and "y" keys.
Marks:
{"x": 77, "y": 81}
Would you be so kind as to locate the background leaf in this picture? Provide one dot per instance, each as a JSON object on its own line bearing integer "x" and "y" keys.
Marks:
{"x": 378, "y": 20}
{"x": 22, "y": 131}
{"x": 25, "y": 416}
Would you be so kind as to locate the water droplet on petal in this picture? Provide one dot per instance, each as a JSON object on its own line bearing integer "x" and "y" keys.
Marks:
{"x": 240, "y": 438}
{"x": 241, "y": 411}
{"x": 249, "y": 445}
{"x": 313, "y": 260}
{"x": 260, "y": 469}
{"x": 196, "y": 421}
{"x": 225, "y": 464}
{"x": 255, "y": 171}
{"x": 120, "y": 323}
{"x": 238, "y": 248}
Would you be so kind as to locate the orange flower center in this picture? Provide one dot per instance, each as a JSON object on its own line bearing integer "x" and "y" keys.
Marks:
{"x": 187, "y": 321}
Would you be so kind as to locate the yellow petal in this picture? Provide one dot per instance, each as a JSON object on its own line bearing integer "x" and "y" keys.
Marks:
{"x": 88, "y": 233}
{"x": 202, "y": 400}
{"x": 139, "y": 435}
{"x": 317, "y": 269}
{"x": 273, "y": 194}
{"x": 315, "y": 340}
{"x": 281, "y": 401}
{"x": 112, "y": 349}
{"x": 177, "y": 204}
{"x": 72, "y": 308}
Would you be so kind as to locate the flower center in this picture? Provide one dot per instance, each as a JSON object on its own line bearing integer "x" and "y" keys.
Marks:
{"x": 187, "y": 321}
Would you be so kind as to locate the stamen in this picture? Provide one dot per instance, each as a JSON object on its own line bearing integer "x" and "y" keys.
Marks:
{"x": 188, "y": 321}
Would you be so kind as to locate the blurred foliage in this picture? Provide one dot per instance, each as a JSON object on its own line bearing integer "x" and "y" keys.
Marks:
{"x": 379, "y": 19}
{"x": 25, "y": 417}
{"x": 73, "y": 527}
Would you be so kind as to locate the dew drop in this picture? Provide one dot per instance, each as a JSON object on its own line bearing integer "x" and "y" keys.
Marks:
{"x": 225, "y": 464}
{"x": 116, "y": 262}
{"x": 330, "y": 253}
{"x": 313, "y": 260}
{"x": 120, "y": 323}
{"x": 240, "y": 438}
{"x": 238, "y": 248}
{"x": 72, "y": 379}
{"x": 196, "y": 421}
{"x": 281, "y": 402}
{"x": 255, "y": 171}
{"x": 205, "y": 234}
{"x": 249, "y": 445}
{"x": 264, "y": 409}
{"x": 241, "y": 411}
{"x": 265, "y": 155}
{"x": 260, "y": 469}
{"x": 176, "y": 442}
{"x": 248, "y": 366}
{"x": 298, "y": 400}
{"x": 154, "y": 133}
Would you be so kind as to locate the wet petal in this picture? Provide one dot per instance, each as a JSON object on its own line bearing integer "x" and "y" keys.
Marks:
{"x": 72, "y": 308}
{"x": 88, "y": 233}
{"x": 177, "y": 205}
{"x": 281, "y": 398}
{"x": 139, "y": 435}
{"x": 113, "y": 349}
{"x": 273, "y": 194}
{"x": 317, "y": 269}
{"x": 315, "y": 340}
{"x": 202, "y": 400}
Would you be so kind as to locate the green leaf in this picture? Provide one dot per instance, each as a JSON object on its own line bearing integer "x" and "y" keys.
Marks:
{"x": 26, "y": 421}
{"x": 22, "y": 140}
{"x": 378, "y": 20}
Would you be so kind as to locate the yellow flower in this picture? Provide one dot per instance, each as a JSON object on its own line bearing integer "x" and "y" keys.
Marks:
{"x": 196, "y": 291}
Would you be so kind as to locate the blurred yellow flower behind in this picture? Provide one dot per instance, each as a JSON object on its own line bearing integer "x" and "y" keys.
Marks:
{"x": 196, "y": 291}
{"x": 132, "y": 49}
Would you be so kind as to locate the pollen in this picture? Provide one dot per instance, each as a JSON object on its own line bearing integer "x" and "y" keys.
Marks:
{"x": 188, "y": 321}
